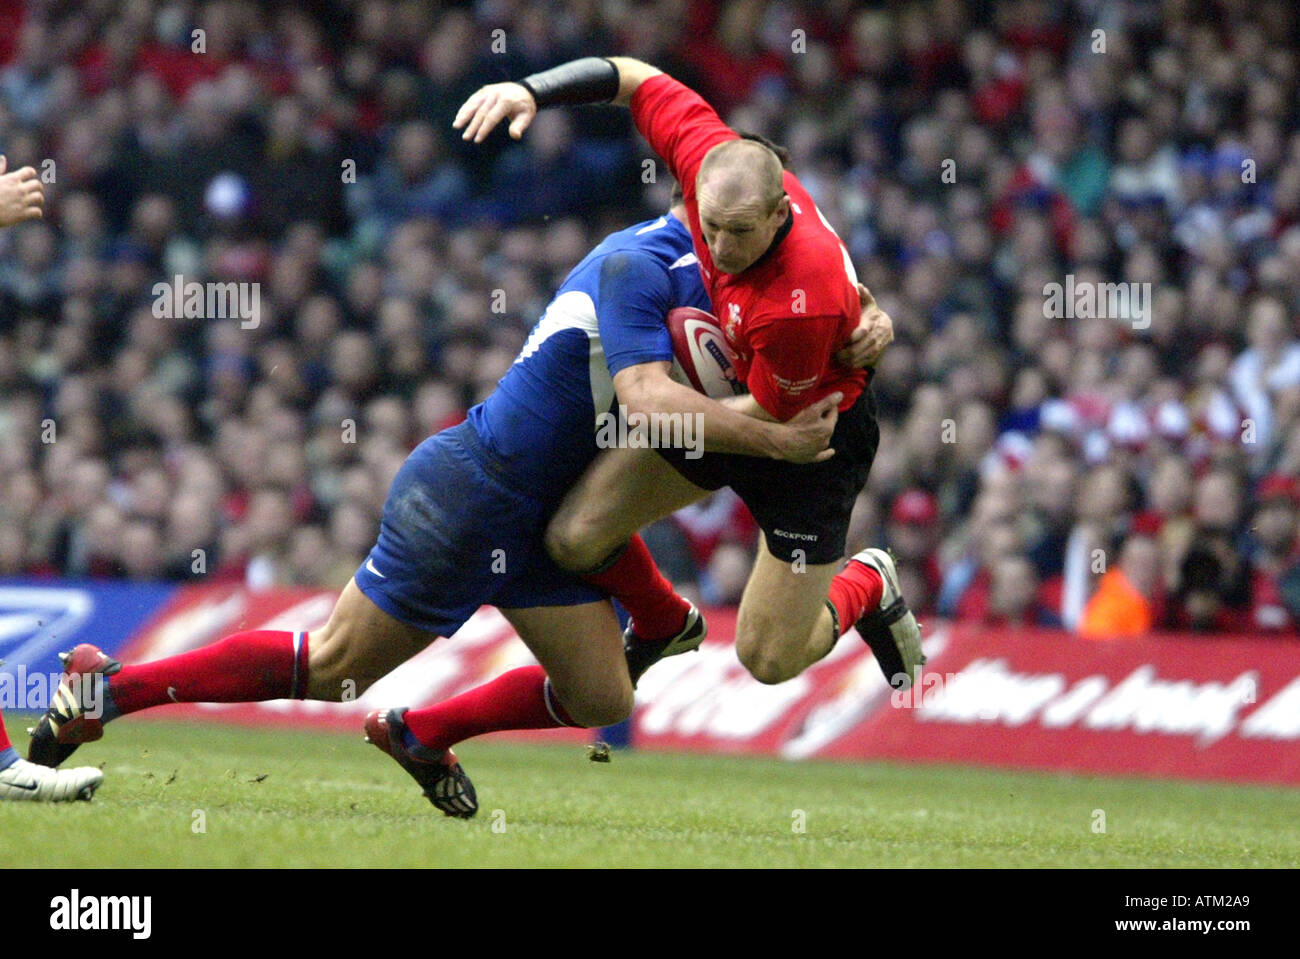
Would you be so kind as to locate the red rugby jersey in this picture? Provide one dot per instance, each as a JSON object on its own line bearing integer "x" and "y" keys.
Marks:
{"x": 786, "y": 315}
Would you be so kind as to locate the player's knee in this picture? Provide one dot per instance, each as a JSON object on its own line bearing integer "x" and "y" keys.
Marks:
{"x": 605, "y": 713}
{"x": 768, "y": 669}
{"x": 572, "y": 543}
{"x": 600, "y": 707}
{"x": 765, "y": 662}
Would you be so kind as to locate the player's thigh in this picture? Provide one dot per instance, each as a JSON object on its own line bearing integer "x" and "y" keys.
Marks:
{"x": 781, "y": 605}
{"x": 581, "y": 649}
{"x": 622, "y": 491}
{"x": 360, "y": 644}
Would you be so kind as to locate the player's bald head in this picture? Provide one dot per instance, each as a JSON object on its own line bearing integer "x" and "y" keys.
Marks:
{"x": 741, "y": 202}
{"x": 741, "y": 174}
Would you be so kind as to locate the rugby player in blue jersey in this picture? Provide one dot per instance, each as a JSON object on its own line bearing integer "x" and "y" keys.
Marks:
{"x": 462, "y": 527}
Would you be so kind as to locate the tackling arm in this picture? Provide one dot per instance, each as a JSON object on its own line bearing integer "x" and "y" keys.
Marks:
{"x": 632, "y": 298}
{"x": 746, "y": 404}
{"x": 731, "y": 426}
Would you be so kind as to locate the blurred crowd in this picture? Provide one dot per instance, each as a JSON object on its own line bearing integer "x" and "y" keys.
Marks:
{"x": 1112, "y": 474}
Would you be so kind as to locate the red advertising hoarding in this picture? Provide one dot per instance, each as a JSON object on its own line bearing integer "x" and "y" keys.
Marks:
{"x": 1215, "y": 708}
{"x": 1224, "y": 708}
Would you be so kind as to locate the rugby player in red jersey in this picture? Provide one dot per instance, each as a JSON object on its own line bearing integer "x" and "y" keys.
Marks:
{"x": 785, "y": 293}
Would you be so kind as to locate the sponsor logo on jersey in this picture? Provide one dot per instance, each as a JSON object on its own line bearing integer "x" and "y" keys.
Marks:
{"x": 810, "y": 537}
{"x": 792, "y": 387}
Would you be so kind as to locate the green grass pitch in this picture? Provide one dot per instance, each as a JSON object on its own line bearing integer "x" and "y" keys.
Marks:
{"x": 295, "y": 798}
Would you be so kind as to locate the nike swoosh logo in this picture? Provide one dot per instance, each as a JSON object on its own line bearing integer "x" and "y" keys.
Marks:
{"x": 30, "y": 787}
{"x": 171, "y": 694}
{"x": 370, "y": 565}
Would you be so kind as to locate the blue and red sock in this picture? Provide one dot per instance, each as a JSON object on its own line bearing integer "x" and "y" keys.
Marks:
{"x": 242, "y": 668}
{"x": 519, "y": 699}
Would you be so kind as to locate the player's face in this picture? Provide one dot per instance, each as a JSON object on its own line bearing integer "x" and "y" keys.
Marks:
{"x": 738, "y": 234}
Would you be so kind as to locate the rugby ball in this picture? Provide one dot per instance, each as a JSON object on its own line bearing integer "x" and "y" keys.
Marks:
{"x": 701, "y": 358}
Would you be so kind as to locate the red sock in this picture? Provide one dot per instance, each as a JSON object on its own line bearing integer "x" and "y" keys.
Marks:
{"x": 635, "y": 581}
{"x": 856, "y": 589}
{"x": 242, "y": 668}
{"x": 4, "y": 736}
{"x": 519, "y": 699}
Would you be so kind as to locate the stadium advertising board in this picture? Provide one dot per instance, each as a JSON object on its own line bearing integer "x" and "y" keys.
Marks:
{"x": 39, "y": 619}
{"x": 1213, "y": 708}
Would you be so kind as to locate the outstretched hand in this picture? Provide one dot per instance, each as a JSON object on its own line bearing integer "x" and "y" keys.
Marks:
{"x": 491, "y": 104}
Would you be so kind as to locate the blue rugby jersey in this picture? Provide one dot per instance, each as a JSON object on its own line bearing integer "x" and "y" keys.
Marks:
{"x": 540, "y": 423}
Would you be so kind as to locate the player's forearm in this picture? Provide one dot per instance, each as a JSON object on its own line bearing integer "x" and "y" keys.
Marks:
{"x": 588, "y": 80}
{"x": 748, "y": 406}
{"x": 578, "y": 82}
{"x": 724, "y": 428}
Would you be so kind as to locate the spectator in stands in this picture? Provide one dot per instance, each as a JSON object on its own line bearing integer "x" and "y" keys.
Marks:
{"x": 1268, "y": 366}
{"x": 965, "y": 590}
{"x": 1014, "y": 597}
{"x": 1051, "y": 495}
{"x": 417, "y": 179}
{"x": 1213, "y": 588}
{"x": 1106, "y": 501}
{"x": 1126, "y": 602}
{"x": 1171, "y": 488}
{"x": 1275, "y": 529}
{"x": 912, "y": 534}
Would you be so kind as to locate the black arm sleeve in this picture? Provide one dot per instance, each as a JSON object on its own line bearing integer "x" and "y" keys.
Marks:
{"x": 589, "y": 80}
